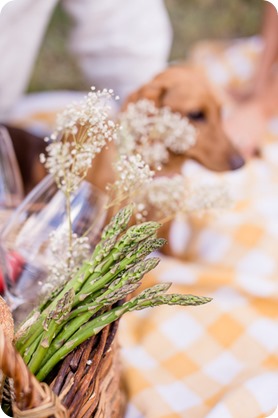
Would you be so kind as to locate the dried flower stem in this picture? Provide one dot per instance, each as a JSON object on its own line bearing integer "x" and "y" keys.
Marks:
{"x": 82, "y": 130}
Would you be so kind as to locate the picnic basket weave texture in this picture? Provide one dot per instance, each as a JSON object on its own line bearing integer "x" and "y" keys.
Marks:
{"x": 86, "y": 384}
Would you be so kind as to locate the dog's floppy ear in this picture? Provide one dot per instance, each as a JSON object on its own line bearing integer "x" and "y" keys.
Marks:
{"x": 151, "y": 91}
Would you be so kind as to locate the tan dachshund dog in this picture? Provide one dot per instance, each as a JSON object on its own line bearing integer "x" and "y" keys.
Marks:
{"x": 186, "y": 90}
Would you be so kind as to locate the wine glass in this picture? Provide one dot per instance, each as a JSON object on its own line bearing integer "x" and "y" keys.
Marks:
{"x": 11, "y": 189}
{"x": 25, "y": 244}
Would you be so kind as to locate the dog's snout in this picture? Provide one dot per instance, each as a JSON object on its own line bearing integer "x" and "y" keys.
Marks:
{"x": 236, "y": 162}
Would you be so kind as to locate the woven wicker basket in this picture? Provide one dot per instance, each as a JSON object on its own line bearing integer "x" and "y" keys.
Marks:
{"x": 87, "y": 383}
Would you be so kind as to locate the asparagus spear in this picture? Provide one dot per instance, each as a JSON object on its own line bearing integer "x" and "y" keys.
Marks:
{"x": 75, "y": 325}
{"x": 150, "y": 297}
{"x": 121, "y": 287}
{"x": 57, "y": 317}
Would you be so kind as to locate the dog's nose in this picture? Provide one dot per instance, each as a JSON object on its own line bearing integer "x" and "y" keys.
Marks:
{"x": 236, "y": 161}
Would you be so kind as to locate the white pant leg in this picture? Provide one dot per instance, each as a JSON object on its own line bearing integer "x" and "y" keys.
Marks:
{"x": 120, "y": 44}
{"x": 22, "y": 26}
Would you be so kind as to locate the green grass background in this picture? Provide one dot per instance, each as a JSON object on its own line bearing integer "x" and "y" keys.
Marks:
{"x": 192, "y": 20}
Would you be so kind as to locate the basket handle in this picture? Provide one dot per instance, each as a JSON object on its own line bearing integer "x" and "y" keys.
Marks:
{"x": 31, "y": 398}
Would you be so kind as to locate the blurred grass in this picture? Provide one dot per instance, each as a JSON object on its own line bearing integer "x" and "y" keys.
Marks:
{"x": 55, "y": 67}
{"x": 192, "y": 20}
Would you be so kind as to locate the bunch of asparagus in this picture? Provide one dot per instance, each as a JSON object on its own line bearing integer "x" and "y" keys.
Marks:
{"x": 86, "y": 303}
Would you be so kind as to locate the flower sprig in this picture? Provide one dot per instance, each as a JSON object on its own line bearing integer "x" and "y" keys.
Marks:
{"x": 64, "y": 262}
{"x": 132, "y": 175}
{"x": 82, "y": 130}
{"x": 154, "y": 132}
{"x": 166, "y": 197}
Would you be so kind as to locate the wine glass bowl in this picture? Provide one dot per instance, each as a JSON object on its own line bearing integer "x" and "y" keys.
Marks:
{"x": 11, "y": 189}
{"x": 25, "y": 239}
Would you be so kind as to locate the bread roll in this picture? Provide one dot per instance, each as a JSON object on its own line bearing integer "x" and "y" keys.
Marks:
{"x": 6, "y": 320}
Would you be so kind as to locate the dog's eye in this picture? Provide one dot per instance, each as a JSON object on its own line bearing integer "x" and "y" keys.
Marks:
{"x": 196, "y": 116}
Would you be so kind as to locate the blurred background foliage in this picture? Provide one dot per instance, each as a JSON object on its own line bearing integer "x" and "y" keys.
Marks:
{"x": 192, "y": 20}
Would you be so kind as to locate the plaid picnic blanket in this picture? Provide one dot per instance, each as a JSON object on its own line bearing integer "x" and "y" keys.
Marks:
{"x": 219, "y": 360}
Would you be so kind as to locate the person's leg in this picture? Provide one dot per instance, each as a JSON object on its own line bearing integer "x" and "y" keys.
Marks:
{"x": 120, "y": 44}
{"x": 22, "y": 26}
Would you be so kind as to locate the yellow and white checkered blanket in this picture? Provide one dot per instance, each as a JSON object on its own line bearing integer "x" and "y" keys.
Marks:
{"x": 219, "y": 360}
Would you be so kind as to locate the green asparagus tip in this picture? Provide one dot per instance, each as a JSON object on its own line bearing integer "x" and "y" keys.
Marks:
{"x": 119, "y": 222}
{"x": 172, "y": 299}
{"x": 138, "y": 233}
{"x": 61, "y": 311}
{"x": 153, "y": 291}
{"x": 136, "y": 272}
{"x": 147, "y": 247}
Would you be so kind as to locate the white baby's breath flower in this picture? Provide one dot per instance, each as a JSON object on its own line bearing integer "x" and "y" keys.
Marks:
{"x": 133, "y": 173}
{"x": 154, "y": 132}
{"x": 166, "y": 197}
{"x": 66, "y": 256}
{"x": 207, "y": 197}
{"x": 91, "y": 112}
{"x": 82, "y": 130}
